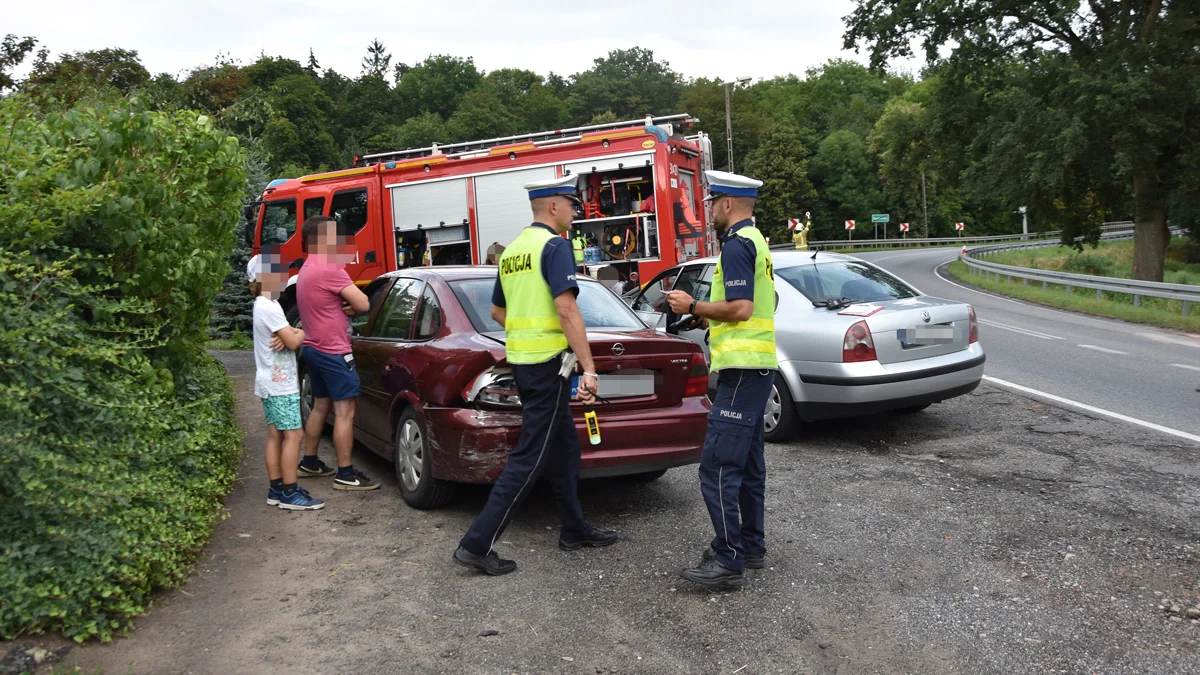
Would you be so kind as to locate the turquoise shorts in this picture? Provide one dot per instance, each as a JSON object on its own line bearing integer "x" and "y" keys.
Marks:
{"x": 283, "y": 411}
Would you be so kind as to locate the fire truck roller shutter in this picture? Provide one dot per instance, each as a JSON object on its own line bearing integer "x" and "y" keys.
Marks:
{"x": 429, "y": 204}
{"x": 603, "y": 164}
{"x": 502, "y": 203}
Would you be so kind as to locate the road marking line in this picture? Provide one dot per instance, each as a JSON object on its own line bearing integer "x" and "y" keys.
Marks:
{"x": 1023, "y": 331}
{"x": 1185, "y": 366}
{"x": 1102, "y": 349}
{"x": 1090, "y": 408}
{"x": 990, "y": 295}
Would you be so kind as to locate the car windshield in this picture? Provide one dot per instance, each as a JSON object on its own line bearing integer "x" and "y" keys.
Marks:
{"x": 851, "y": 280}
{"x": 599, "y": 307}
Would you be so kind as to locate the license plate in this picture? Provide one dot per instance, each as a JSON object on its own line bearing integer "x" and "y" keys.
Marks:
{"x": 622, "y": 384}
{"x": 925, "y": 335}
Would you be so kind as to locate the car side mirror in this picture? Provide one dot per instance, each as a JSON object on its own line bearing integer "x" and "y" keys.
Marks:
{"x": 656, "y": 320}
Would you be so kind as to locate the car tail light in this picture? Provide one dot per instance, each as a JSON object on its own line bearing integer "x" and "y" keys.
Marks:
{"x": 697, "y": 383}
{"x": 494, "y": 386}
{"x": 974, "y": 324}
{"x": 858, "y": 345}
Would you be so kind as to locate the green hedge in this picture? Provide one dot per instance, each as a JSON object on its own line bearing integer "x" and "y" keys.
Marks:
{"x": 117, "y": 431}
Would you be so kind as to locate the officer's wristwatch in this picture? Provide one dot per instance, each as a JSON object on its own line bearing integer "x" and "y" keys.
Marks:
{"x": 692, "y": 309}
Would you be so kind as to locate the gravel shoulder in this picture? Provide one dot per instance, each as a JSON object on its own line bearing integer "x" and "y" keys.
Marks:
{"x": 989, "y": 533}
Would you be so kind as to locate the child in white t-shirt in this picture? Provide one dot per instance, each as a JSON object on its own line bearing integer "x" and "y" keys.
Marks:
{"x": 276, "y": 383}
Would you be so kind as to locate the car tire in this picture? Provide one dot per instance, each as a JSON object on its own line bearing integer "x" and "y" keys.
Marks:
{"x": 306, "y": 398}
{"x": 780, "y": 417}
{"x": 647, "y": 477}
{"x": 414, "y": 465}
{"x": 913, "y": 409}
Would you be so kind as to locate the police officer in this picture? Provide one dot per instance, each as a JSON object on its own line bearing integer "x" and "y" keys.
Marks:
{"x": 577, "y": 245}
{"x": 534, "y": 298}
{"x": 741, "y": 316}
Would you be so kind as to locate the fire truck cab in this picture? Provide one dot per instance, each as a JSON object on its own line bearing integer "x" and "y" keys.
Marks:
{"x": 642, "y": 183}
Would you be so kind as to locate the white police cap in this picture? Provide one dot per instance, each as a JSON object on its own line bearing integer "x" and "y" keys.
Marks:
{"x": 555, "y": 187}
{"x": 725, "y": 184}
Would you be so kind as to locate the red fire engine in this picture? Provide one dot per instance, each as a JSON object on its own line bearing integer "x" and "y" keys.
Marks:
{"x": 642, "y": 183}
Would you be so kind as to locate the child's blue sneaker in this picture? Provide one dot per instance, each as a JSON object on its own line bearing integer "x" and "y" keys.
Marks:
{"x": 273, "y": 496}
{"x": 300, "y": 500}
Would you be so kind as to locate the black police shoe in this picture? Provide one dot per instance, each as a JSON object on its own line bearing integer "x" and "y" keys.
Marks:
{"x": 710, "y": 573}
{"x": 490, "y": 564}
{"x": 596, "y": 538}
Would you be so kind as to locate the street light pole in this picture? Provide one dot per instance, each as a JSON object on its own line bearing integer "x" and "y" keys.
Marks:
{"x": 728, "y": 129}
{"x": 729, "y": 120}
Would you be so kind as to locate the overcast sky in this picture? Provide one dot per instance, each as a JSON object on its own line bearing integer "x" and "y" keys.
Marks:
{"x": 697, "y": 37}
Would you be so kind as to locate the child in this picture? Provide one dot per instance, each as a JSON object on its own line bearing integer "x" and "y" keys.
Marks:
{"x": 275, "y": 382}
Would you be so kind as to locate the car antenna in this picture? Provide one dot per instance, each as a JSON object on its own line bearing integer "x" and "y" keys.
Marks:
{"x": 816, "y": 250}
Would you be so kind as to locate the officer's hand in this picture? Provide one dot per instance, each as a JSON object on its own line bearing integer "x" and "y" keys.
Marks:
{"x": 681, "y": 303}
{"x": 587, "y": 389}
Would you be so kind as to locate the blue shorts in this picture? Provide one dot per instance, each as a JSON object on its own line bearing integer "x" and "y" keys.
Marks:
{"x": 333, "y": 376}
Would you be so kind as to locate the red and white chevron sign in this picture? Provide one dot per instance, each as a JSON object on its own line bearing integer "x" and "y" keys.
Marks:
{"x": 849, "y": 224}
{"x": 959, "y": 227}
{"x": 793, "y": 223}
{"x": 904, "y": 227}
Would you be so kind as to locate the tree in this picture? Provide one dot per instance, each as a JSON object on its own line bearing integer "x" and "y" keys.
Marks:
{"x": 80, "y": 74}
{"x": 416, "y": 132}
{"x": 268, "y": 70}
{"x": 298, "y": 131}
{"x": 541, "y": 110}
{"x": 367, "y": 108}
{"x": 437, "y": 85}
{"x": 629, "y": 82}
{"x": 480, "y": 115}
{"x": 705, "y": 99}
{"x": 214, "y": 88}
{"x": 377, "y": 61}
{"x": 312, "y": 66}
{"x": 13, "y": 51}
{"x": 779, "y": 162}
{"x": 846, "y": 176}
{"x": 1112, "y": 79}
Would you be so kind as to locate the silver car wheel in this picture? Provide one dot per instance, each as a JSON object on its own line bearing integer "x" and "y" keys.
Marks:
{"x": 410, "y": 445}
{"x": 774, "y": 410}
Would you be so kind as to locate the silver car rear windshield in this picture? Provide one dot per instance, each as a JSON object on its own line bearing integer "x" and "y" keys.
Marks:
{"x": 599, "y": 307}
{"x": 844, "y": 280}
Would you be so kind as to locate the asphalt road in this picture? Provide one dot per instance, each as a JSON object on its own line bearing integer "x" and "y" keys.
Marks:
{"x": 988, "y": 534}
{"x": 1145, "y": 373}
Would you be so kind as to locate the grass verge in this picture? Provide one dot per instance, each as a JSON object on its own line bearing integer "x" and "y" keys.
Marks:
{"x": 1153, "y": 311}
{"x": 238, "y": 341}
{"x": 1109, "y": 259}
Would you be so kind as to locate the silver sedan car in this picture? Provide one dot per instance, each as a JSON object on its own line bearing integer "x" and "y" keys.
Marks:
{"x": 852, "y": 339}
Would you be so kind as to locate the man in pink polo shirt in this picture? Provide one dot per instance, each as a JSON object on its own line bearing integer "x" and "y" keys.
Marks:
{"x": 326, "y": 298}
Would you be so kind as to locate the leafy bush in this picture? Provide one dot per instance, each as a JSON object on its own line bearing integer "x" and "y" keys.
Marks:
{"x": 118, "y": 434}
{"x": 1090, "y": 263}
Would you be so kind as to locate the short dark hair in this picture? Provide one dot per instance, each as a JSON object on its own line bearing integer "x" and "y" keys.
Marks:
{"x": 312, "y": 227}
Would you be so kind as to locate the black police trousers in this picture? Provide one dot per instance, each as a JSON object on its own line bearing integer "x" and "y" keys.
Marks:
{"x": 733, "y": 468}
{"x": 548, "y": 445}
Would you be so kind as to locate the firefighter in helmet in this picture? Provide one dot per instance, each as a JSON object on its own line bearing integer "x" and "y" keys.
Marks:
{"x": 741, "y": 316}
{"x": 534, "y": 299}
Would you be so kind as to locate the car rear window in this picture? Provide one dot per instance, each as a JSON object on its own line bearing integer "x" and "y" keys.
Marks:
{"x": 599, "y": 307}
{"x": 854, "y": 281}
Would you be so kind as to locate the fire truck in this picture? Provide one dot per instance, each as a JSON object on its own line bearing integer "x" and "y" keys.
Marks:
{"x": 642, "y": 184}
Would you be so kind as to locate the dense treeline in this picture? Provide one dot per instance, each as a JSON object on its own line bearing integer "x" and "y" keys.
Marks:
{"x": 1079, "y": 116}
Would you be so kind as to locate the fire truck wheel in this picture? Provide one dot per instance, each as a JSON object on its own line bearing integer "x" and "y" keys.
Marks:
{"x": 414, "y": 465}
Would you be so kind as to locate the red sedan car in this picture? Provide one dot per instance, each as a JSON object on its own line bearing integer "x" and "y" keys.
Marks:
{"x": 438, "y": 397}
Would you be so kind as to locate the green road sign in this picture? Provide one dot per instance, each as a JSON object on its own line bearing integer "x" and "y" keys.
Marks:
{"x": 879, "y": 217}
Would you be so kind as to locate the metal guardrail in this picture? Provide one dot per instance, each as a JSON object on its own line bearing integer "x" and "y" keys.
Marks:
{"x": 916, "y": 242}
{"x": 1138, "y": 289}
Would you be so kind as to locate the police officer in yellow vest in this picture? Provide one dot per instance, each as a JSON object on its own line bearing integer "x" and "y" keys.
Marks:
{"x": 577, "y": 245}
{"x": 741, "y": 316}
{"x": 534, "y": 299}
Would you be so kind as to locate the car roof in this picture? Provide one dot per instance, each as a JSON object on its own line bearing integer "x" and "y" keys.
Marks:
{"x": 793, "y": 258}
{"x": 453, "y": 272}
